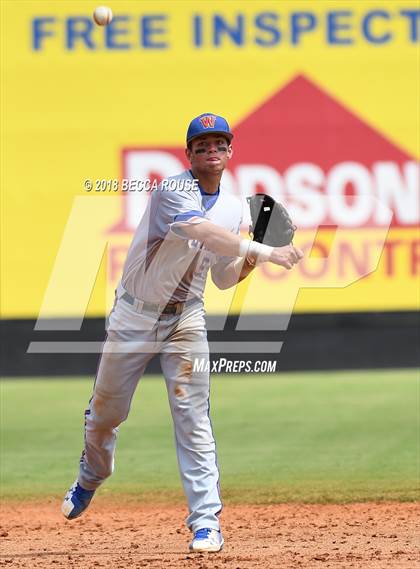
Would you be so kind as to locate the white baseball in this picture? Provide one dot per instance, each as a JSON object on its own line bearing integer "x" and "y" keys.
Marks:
{"x": 102, "y": 15}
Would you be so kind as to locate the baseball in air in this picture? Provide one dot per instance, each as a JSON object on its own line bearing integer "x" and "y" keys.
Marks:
{"x": 102, "y": 15}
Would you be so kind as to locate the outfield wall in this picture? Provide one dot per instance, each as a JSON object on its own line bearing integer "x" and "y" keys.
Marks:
{"x": 311, "y": 342}
{"x": 323, "y": 102}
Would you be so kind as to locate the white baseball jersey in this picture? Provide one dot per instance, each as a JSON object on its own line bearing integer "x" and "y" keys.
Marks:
{"x": 162, "y": 264}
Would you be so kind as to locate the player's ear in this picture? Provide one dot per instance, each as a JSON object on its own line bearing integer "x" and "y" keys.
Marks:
{"x": 229, "y": 152}
{"x": 188, "y": 154}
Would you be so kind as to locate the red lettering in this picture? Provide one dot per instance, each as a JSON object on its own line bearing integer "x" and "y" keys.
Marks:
{"x": 360, "y": 264}
{"x": 388, "y": 256}
{"x": 415, "y": 257}
{"x": 116, "y": 256}
{"x": 208, "y": 121}
{"x": 318, "y": 252}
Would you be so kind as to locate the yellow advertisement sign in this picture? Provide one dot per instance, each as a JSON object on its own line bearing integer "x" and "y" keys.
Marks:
{"x": 323, "y": 102}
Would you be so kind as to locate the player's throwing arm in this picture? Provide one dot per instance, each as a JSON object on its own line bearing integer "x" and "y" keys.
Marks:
{"x": 223, "y": 242}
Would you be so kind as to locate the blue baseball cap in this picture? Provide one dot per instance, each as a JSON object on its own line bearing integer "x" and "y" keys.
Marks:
{"x": 208, "y": 123}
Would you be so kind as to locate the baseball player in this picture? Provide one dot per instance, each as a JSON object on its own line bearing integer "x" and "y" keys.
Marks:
{"x": 187, "y": 229}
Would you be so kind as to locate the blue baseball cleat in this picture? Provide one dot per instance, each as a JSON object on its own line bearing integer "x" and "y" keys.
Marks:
{"x": 207, "y": 539}
{"x": 76, "y": 501}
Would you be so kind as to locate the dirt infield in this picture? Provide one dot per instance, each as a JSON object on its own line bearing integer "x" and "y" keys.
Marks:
{"x": 368, "y": 536}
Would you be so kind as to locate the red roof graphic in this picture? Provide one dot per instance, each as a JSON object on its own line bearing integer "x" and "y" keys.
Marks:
{"x": 303, "y": 123}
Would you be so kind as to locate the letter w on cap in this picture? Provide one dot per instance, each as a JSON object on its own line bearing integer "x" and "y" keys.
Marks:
{"x": 208, "y": 121}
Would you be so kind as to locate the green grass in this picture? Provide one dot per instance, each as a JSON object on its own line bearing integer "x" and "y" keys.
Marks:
{"x": 312, "y": 437}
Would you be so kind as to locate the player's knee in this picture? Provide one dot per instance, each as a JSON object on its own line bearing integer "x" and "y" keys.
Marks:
{"x": 108, "y": 420}
{"x": 105, "y": 415}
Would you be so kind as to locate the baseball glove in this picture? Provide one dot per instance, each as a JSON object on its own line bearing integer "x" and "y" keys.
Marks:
{"x": 271, "y": 223}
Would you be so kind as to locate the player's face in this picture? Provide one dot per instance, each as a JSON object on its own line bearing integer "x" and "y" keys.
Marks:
{"x": 209, "y": 153}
